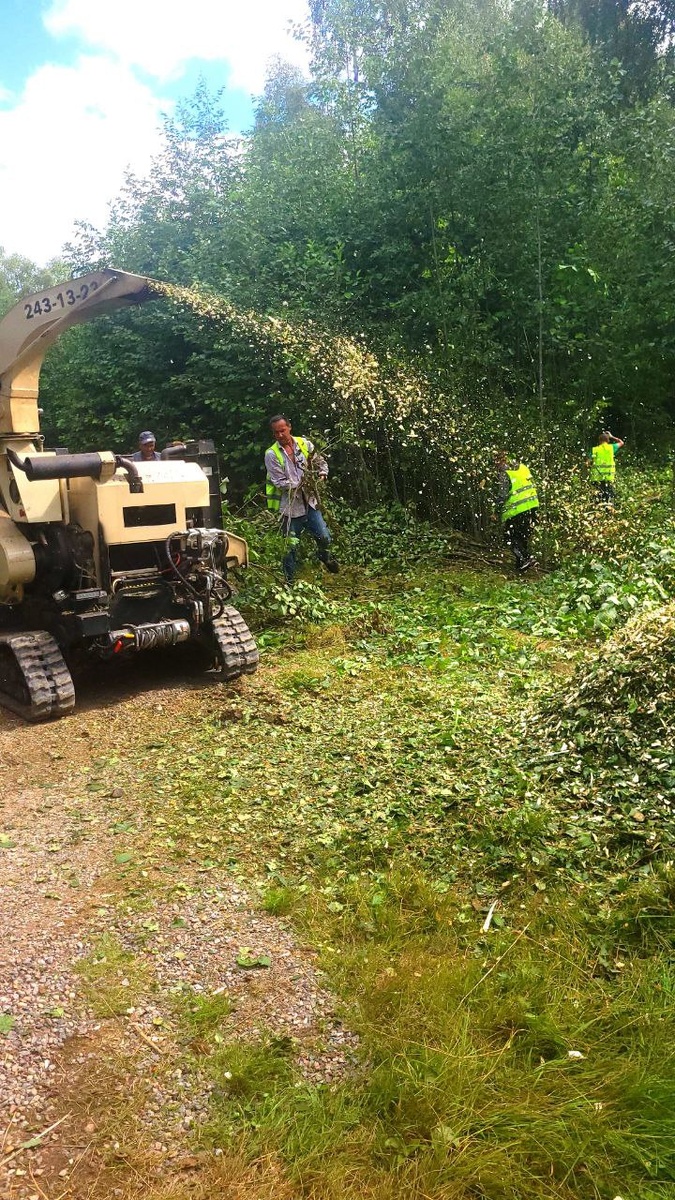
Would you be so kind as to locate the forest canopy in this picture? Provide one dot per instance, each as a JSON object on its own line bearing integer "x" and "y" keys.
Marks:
{"x": 479, "y": 195}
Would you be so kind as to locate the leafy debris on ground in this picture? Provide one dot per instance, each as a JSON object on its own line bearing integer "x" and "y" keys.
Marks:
{"x": 608, "y": 736}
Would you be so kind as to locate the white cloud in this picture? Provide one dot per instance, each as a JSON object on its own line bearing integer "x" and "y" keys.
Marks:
{"x": 64, "y": 149}
{"x": 67, "y": 140}
{"x": 161, "y": 36}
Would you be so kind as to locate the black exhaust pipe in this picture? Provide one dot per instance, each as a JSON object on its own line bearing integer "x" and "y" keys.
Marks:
{"x": 72, "y": 466}
{"x": 57, "y": 466}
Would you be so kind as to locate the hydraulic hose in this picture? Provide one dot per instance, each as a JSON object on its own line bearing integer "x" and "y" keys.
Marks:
{"x": 223, "y": 585}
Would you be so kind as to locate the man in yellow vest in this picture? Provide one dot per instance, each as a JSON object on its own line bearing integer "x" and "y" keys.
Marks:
{"x": 519, "y": 504}
{"x": 293, "y": 467}
{"x": 603, "y": 466}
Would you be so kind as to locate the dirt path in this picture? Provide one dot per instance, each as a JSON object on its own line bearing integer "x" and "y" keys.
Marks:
{"x": 96, "y": 961}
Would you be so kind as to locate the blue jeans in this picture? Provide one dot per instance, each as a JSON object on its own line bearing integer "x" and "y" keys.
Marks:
{"x": 293, "y": 528}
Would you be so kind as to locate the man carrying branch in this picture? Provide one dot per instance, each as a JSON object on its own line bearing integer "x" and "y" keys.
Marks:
{"x": 294, "y": 472}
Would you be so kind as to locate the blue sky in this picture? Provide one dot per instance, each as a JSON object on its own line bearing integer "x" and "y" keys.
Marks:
{"x": 83, "y": 85}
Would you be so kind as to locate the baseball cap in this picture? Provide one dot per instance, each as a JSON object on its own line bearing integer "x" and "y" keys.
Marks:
{"x": 145, "y": 437}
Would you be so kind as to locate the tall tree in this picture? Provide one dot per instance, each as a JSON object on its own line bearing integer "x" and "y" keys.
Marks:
{"x": 19, "y": 276}
{"x": 635, "y": 33}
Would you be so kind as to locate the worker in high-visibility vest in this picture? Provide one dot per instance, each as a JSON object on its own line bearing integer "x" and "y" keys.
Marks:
{"x": 519, "y": 503}
{"x": 293, "y": 468}
{"x": 603, "y": 467}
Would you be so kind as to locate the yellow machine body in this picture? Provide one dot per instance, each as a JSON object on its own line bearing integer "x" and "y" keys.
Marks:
{"x": 98, "y": 552}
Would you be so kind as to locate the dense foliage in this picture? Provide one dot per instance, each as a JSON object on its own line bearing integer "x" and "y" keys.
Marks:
{"x": 478, "y": 198}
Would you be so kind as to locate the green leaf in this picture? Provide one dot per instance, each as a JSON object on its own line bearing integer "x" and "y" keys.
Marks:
{"x": 248, "y": 958}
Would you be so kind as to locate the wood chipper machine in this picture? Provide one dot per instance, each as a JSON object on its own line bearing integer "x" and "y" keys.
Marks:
{"x": 101, "y": 555}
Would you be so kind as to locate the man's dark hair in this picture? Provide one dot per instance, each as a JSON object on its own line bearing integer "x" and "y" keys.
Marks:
{"x": 278, "y": 417}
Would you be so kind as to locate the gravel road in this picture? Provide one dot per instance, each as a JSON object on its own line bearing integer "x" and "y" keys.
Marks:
{"x": 60, "y": 895}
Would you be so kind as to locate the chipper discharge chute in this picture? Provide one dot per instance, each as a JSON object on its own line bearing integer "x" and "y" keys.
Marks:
{"x": 99, "y": 553}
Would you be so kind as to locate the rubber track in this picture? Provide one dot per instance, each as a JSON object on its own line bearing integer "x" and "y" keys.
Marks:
{"x": 46, "y": 677}
{"x": 236, "y": 650}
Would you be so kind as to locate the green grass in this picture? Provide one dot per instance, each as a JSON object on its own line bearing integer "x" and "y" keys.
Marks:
{"x": 112, "y": 978}
{"x": 279, "y": 901}
{"x": 201, "y": 1015}
{"x": 468, "y": 1087}
{"x": 379, "y": 786}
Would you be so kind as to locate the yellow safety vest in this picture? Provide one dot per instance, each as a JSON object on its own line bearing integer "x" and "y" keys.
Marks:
{"x": 603, "y": 467}
{"x": 523, "y": 494}
{"x": 272, "y": 492}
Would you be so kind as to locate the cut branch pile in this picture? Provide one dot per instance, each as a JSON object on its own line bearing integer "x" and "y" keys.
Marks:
{"x": 611, "y": 734}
